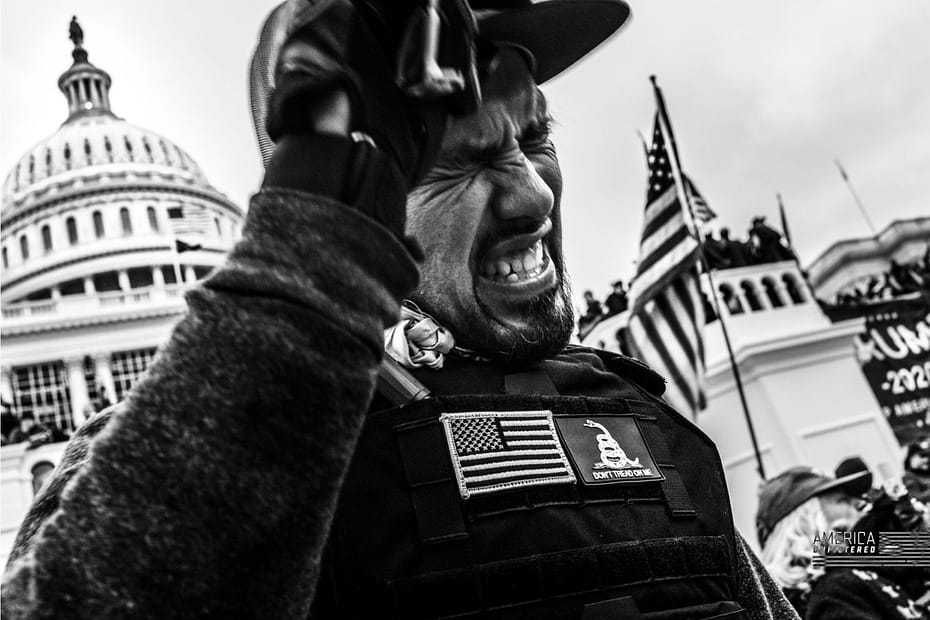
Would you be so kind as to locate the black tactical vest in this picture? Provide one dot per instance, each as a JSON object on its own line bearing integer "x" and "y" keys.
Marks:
{"x": 531, "y": 506}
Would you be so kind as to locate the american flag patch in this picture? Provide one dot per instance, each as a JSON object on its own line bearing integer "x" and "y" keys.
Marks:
{"x": 504, "y": 450}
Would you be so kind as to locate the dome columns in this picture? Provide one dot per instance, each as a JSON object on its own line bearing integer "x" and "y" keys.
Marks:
{"x": 6, "y": 384}
{"x": 123, "y": 278}
{"x": 105, "y": 376}
{"x": 77, "y": 389}
{"x": 158, "y": 278}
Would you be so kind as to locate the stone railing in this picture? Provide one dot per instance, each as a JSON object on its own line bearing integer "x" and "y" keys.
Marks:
{"x": 760, "y": 288}
{"x": 78, "y": 305}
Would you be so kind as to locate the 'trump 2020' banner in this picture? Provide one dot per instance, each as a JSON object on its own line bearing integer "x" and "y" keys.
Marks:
{"x": 894, "y": 352}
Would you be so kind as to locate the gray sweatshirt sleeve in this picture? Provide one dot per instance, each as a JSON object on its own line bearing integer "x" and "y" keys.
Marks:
{"x": 759, "y": 595}
{"x": 211, "y": 493}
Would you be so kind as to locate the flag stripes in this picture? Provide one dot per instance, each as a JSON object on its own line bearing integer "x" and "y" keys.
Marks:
{"x": 189, "y": 220}
{"x": 673, "y": 244}
{"x": 666, "y": 336}
{"x": 666, "y": 322}
{"x": 660, "y": 212}
{"x": 492, "y": 451}
{"x": 702, "y": 210}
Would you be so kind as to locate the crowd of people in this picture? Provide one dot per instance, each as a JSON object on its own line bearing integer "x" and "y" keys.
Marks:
{"x": 803, "y": 513}
{"x": 763, "y": 244}
{"x": 899, "y": 279}
{"x": 25, "y": 428}
{"x": 595, "y": 311}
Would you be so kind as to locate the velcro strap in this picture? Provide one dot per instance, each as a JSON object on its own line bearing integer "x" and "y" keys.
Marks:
{"x": 679, "y": 502}
{"x": 433, "y": 489}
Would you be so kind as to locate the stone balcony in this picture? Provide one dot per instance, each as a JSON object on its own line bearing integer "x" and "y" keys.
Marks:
{"x": 30, "y": 315}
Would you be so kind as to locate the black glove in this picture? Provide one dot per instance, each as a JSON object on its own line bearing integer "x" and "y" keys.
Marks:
{"x": 369, "y": 50}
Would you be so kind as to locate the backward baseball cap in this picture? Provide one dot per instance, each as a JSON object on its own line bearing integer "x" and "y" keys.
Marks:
{"x": 781, "y": 495}
{"x": 558, "y": 33}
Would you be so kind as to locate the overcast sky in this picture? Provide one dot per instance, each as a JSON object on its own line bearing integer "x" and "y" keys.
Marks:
{"x": 763, "y": 97}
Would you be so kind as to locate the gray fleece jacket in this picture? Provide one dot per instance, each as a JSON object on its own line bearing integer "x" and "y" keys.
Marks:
{"x": 210, "y": 491}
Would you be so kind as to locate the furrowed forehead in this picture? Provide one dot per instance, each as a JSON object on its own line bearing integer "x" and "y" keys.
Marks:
{"x": 511, "y": 103}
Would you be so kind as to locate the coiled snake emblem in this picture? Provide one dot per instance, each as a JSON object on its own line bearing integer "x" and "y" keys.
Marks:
{"x": 612, "y": 455}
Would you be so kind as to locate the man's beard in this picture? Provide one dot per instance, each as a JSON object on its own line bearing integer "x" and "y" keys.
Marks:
{"x": 550, "y": 320}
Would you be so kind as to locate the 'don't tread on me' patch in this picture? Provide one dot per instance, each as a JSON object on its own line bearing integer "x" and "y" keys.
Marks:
{"x": 608, "y": 449}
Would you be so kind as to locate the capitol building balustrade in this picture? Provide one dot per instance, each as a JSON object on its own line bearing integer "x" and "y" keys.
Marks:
{"x": 759, "y": 288}
{"x": 29, "y": 314}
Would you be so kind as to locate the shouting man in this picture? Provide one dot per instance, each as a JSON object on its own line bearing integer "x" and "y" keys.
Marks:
{"x": 262, "y": 470}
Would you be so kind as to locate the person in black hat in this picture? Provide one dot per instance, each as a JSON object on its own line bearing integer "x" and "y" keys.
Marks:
{"x": 794, "y": 508}
{"x": 617, "y": 301}
{"x": 327, "y": 434}
{"x": 766, "y": 243}
{"x": 734, "y": 253}
{"x": 917, "y": 470}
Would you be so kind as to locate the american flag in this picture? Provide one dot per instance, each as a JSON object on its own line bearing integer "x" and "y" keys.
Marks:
{"x": 702, "y": 211}
{"x": 189, "y": 220}
{"x": 497, "y": 451}
{"x": 667, "y": 318}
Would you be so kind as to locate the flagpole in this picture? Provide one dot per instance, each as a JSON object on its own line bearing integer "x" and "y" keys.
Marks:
{"x": 794, "y": 252}
{"x": 177, "y": 262}
{"x": 784, "y": 223}
{"x": 855, "y": 196}
{"x": 665, "y": 124}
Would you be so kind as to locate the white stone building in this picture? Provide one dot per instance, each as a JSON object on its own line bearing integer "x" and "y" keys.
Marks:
{"x": 92, "y": 275}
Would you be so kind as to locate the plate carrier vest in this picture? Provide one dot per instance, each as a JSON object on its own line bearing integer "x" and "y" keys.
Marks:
{"x": 407, "y": 543}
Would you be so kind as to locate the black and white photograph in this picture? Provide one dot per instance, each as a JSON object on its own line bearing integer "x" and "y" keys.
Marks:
{"x": 511, "y": 309}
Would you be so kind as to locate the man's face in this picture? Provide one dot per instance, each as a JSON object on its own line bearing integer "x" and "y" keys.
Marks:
{"x": 487, "y": 216}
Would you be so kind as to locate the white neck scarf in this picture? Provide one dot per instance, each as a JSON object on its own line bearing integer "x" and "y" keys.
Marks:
{"x": 418, "y": 340}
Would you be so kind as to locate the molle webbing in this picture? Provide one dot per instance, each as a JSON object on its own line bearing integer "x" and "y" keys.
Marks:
{"x": 553, "y": 576}
{"x": 433, "y": 488}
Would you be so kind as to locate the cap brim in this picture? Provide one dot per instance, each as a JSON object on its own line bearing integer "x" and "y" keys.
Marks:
{"x": 851, "y": 484}
{"x": 558, "y": 32}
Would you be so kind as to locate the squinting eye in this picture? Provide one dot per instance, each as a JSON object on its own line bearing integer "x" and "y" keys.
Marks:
{"x": 535, "y": 136}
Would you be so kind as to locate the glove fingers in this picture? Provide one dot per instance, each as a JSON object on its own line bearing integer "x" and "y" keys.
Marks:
{"x": 333, "y": 47}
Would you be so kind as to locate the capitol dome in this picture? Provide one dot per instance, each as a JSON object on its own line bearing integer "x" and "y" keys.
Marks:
{"x": 90, "y": 147}
{"x": 104, "y": 227}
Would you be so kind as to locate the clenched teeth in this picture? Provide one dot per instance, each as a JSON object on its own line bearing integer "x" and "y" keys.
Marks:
{"x": 516, "y": 266}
